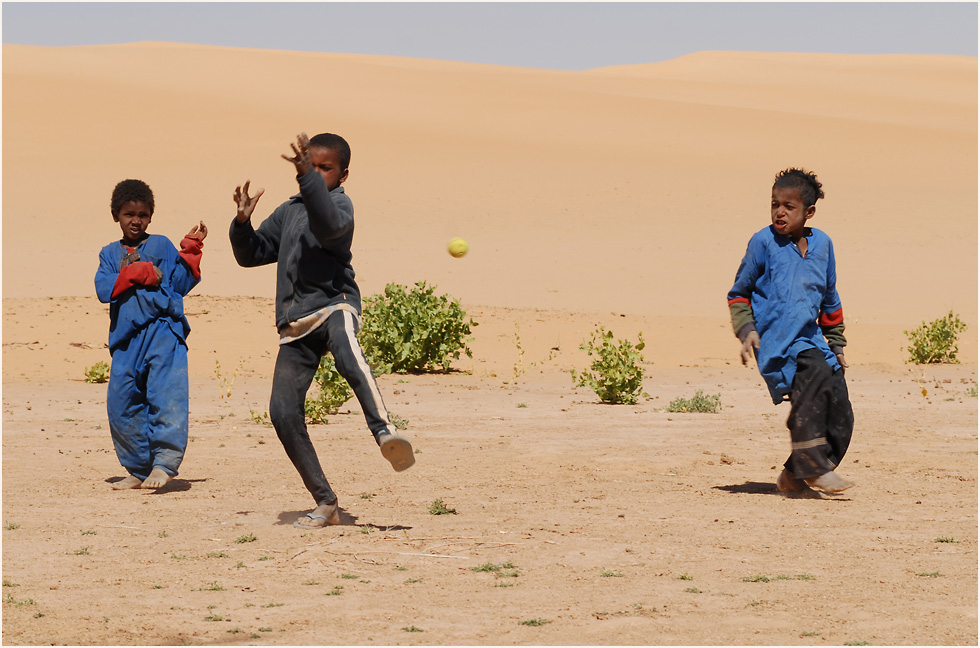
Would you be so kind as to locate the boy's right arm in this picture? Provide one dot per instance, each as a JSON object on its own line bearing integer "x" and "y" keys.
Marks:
{"x": 253, "y": 247}
{"x": 111, "y": 283}
{"x": 740, "y": 304}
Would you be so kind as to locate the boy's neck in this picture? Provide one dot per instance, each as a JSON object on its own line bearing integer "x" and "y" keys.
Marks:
{"x": 130, "y": 243}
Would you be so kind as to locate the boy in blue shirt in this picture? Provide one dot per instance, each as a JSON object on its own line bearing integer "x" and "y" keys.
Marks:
{"x": 318, "y": 308}
{"x": 144, "y": 280}
{"x": 786, "y": 311}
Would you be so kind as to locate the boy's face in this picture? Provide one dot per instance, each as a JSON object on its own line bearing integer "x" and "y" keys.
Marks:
{"x": 789, "y": 216}
{"x": 327, "y": 164}
{"x": 133, "y": 218}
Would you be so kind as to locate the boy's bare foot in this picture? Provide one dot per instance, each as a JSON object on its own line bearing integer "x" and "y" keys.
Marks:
{"x": 158, "y": 478}
{"x": 829, "y": 482}
{"x": 320, "y": 517}
{"x": 128, "y": 482}
{"x": 787, "y": 483}
{"x": 398, "y": 450}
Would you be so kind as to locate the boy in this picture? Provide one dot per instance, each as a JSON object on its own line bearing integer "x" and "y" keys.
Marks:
{"x": 318, "y": 307}
{"x": 144, "y": 280}
{"x": 786, "y": 311}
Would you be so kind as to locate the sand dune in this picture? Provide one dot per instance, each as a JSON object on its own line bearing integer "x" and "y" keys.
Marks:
{"x": 628, "y": 189}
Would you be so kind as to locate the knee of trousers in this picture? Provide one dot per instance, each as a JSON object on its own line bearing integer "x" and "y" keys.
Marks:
{"x": 286, "y": 416}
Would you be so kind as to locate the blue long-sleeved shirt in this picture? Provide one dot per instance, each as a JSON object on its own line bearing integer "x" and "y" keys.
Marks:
{"x": 136, "y": 307}
{"x": 792, "y": 296}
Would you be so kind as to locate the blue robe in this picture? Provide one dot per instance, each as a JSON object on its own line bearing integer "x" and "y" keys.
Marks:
{"x": 788, "y": 293}
{"x": 147, "y": 396}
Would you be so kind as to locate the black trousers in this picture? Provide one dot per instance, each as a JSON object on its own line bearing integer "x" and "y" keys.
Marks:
{"x": 296, "y": 366}
{"x": 821, "y": 419}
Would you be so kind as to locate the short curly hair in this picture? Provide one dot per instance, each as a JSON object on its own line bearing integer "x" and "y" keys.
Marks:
{"x": 335, "y": 143}
{"x": 805, "y": 181}
{"x": 130, "y": 190}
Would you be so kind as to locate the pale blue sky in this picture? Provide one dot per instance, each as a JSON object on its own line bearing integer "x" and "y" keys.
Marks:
{"x": 556, "y": 35}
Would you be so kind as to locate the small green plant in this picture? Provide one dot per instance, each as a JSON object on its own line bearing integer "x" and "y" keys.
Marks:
{"x": 97, "y": 373}
{"x": 414, "y": 331}
{"x": 521, "y": 405}
{"x": 947, "y": 539}
{"x": 265, "y": 557}
{"x": 693, "y": 590}
{"x": 972, "y": 391}
{"x": 935, "y": 342}
{"x": 349, "y": 576}
{"x": 412, "y": 628}
{"x": 242, "y": 539}
{"x": 686, "y": 577}
{"x": 859, "y": 642}
{"x": 90, "y": 532}
{"x": 234, "y": 630}
{"x": 934, "y": 574}
{"x": 366, "y": 496}
{"x": 239, "y": 564}
{"x": 261, "y": 419}
{"x": 697, "y": 403}
{"x": 9, "y": 583}
{"x": 615, "y": 374}
{"x": 226, "y": 383}
{"x": 272, "y": 605}
{"x": 399, "y": 422}
{"x": 756, "y": 579}
{"x": 177, "y": 556}
{"x": 38, "y": 615}
{"x": 217, "y": 554}
{"x": 332, "y": 391}
{"x": 808, "y": 633}
{"x": 336, "y": 591}
{"x": 214, "y": 617}
{"x": 535, "y": 622}
{"x": 400, "y": 568}
{"x": 155, "y": 586}
{"x": 7, "y": 598}
{"x": 10, "y": 526}
{"x": 265, "y": 629}
{"x": 754, "y": 603}
{"x": 605, "y": 573}
{"x": 413, "y": 580}
{"x": 439, "y": 508}
{"x": 213, "y": 587}
{"x": 83, "y": 551}
{"x": 311, "y": 582}
{"x": 365, "y": 529}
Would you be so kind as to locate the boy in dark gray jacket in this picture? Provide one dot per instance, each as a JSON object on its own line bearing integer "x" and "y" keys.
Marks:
{"x": 318, "y": 307}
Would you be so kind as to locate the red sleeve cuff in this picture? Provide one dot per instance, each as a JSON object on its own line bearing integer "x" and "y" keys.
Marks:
{"x": 739, "y": 300}
{"x": 140, "y": 273}
{"x": 832, "y": 319}
{"x": 191, "y": 251}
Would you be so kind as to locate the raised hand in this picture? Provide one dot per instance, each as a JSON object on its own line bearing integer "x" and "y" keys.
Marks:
{"x": 200, "y": 231}
{"x": 301, "y": 155}
{"x": 246, "y": 204}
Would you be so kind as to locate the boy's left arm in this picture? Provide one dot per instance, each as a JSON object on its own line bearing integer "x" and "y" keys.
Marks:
{"x": 831, "y": 317}
{"x": 188, "y": 273}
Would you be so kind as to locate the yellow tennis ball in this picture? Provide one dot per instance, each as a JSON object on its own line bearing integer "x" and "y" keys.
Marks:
{"x": 458, "y": 247}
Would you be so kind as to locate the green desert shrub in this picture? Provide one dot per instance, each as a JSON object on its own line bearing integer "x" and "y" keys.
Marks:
{"x": 700, "y": 402}
{"x": 615, "y": 374}
{"x": 414, "y": 331}
{"x": 331, "y": 391}
{"x": 97, "y": 373}
{"x": 935, "y": 342}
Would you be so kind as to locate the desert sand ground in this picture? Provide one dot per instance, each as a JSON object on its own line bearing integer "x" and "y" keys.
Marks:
{"x": 621, "y": 198}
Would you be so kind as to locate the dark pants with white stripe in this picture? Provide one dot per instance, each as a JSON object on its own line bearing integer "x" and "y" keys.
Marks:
{"x": 296, "y": 366}
{"x": 821, "y": 419}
